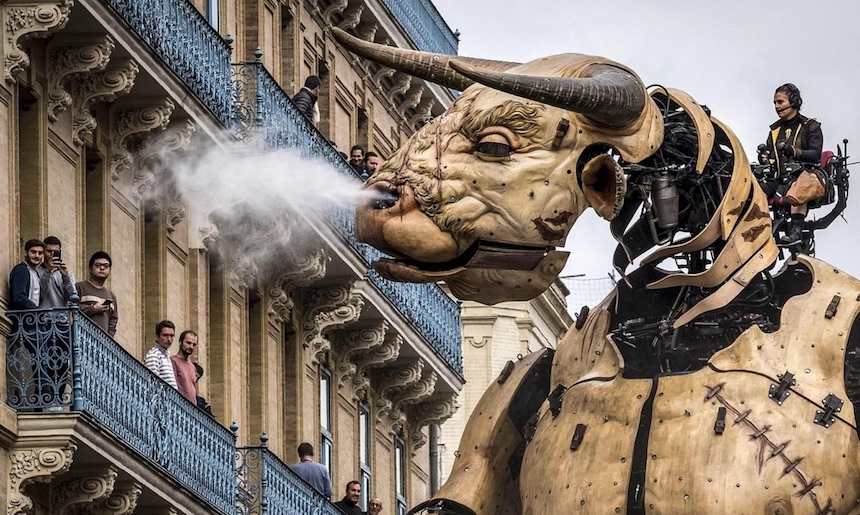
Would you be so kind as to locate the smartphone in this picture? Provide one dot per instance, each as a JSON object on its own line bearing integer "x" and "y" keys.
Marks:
{"x": 58, "y": 255}
{"x": 107, "y": 302}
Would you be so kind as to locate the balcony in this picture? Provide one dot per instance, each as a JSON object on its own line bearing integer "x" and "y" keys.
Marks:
{"x": 424, "y": 25}
{"x": 59, "y": 363}
{"x": 182, "y": 38}
{"x": 262, "y": 110}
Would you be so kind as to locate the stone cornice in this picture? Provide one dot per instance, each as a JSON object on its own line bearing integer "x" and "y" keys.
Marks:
{"x": 23, "y": 21}
{"x": 67, "y": 61}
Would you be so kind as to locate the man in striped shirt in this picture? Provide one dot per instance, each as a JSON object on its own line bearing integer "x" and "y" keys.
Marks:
{"x": 158, "y": 358}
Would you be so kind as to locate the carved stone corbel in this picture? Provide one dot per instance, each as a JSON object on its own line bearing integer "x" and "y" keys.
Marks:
{"x": 351, "y": 17}
{"x": 78, "y": 494}
{"x": 243, "y": 272}
{"x": 423, "y": 114}
{"x": 209, "y": 238}
{"x": 95, "y": 87}
{"x": 410, "y": 101}
{"x": 382, "y": 73}
{"x": 400, "y": 386}
{"x": 367, "y": 30}
{"x": 401, "y": 86}
{"x": 363, "y": 349}
{"x": 327, "y": 308}
{"x": 152, "y": 157}
{"x": 309, "y": 269}
{"x": 436, "y": 409}
{"x": 336, "y": 7}
{"x": 23, "y": 22}
{"x": 129, "y": 124}
{"x": 122, "y": 501}
{"x": 34, "y": 466}
{"x": 67, "y": 61}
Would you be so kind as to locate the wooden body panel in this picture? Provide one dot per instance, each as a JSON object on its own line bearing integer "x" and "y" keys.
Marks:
{"x": 594, "y": 478}
{"x": 768, "y": 460}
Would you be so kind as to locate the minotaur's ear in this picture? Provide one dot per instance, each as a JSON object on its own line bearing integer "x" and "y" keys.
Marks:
{"x": 604, "y": 184}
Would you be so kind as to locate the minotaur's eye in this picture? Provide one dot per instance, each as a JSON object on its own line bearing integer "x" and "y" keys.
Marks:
{"x": 493, "y": 147}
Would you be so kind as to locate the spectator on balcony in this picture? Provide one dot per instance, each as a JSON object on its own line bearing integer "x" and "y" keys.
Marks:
{"x": 183, "y": 367}
{"x": 58, "y": 282}
{"x": 158, "y": 358}
{"x": 306, "y": 99}
{"x": 349, "y": 503}
{"x": 374, "y": 506}
{"x": 98, "y": 302}
{"x": 25, "y": 280}
{"x": 371, "y": 163}
{"x": 356, "y": 159}
{"x": 314, "y": 474}
{"x": 201, "y": 402}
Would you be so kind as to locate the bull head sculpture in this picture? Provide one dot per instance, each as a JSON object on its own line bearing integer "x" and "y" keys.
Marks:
{"x": 482, "y": 196}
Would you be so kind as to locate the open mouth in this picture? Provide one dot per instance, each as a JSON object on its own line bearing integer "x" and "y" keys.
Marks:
{"x": 481, "y": 254}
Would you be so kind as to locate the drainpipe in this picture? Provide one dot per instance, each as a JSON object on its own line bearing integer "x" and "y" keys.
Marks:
{"x": 434, "y": 459}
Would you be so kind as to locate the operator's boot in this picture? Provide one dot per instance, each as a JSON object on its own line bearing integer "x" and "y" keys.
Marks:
{"x": 794, "y": 233}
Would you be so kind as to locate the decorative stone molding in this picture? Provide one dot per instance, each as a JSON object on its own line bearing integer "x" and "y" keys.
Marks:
{"x": 367, "y": 31}
{"x": 34, "y": 466}
{"x": 400, "y": 386}
{"x": 476, "y": 343}
{"x": 423, "y": 114}
{"x": 336, "y": 7}
{"x": 209, "y": 238}
{"x": 382, "y": 73}
{"x": 131, "y": 124}
{"x": 328, "y": 308}
{"x": 95, "y": 87}
{"x": 436, "y": 409}
{"x": 362, "y": 350}
{"x": 410, "y": 101}
{"x": 351, "y": 17}
{"x": 67, "y": 61}
{"x": 243, "y": 272}
{"x": 23, "y": 22}
{"x": 78, "y": 494}
{"x": 152, "y": 159}
{"x": 122, "y": 501}
{"x": 401, "y": 86}
{"x": 308, "y": 269}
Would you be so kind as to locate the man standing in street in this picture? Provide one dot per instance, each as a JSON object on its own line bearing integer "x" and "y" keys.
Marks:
{"x": 158, "y": 358}
{"x": 58, "y": 282}
{"x": 26, "y": 277}
{"x": 183, "y": 367}
{"x": 314, "y": 474}
{"x": 98, "y": 302}
{"x": 349, "y": 503}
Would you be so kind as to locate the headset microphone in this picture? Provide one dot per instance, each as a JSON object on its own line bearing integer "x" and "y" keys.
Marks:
{"x": 781, "y": 109}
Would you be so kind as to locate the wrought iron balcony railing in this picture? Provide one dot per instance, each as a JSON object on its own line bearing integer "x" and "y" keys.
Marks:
{"x": 267, "y": 486}
{"x": 424, "y": 25}
{"x": 183, "y": 39}
{"x": 58, "y": 359}
{"x": 263, "y": 110}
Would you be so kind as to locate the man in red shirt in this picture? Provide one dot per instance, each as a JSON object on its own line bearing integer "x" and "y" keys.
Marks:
{"x": 183, "y": 367}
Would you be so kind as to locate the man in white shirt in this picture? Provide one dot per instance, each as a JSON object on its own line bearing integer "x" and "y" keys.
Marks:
{"x": 158, "y": 358}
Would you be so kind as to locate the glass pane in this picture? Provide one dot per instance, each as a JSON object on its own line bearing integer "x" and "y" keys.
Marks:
{"x": 325, "y": 399}
{"x": 399, "y": 472}
{"x": 325, "y": 455}
{"x": 363, "y": 437}
{"x": 365, "y": 490}
{"x": 213, "y": 12}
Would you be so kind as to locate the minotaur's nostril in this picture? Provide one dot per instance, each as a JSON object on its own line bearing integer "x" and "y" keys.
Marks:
{"x": 386, "y": 200}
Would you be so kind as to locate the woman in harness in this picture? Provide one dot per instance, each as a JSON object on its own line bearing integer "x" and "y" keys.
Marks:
{"x": 793, "y": 137}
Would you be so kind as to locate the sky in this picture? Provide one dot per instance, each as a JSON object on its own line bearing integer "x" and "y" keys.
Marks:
{"x": 729, "y": 55}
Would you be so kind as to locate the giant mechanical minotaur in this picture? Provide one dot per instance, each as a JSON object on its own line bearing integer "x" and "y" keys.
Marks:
{"x": 703, "y": 384}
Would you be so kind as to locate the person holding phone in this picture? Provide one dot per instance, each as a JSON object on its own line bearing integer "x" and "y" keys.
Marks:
{"x": 58, "y": 282}
{"x": 97, "y": 301}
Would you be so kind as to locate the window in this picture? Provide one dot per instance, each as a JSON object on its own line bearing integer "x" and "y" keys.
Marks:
{"x": 365, "y": 440}
{"x": 400, "y": 474}
{"x": 213, "y": 13}
{"x": 326, "y": 443}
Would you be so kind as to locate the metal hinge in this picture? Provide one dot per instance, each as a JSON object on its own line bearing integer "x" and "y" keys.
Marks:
{"x": 720, "y": 424}
{"x": 832, "y": 406}
{"x": 779, "y": 392}
{"x": 555, "y": 400}
{"x": 832, "y": 307}
{"x": 578, "y": 435}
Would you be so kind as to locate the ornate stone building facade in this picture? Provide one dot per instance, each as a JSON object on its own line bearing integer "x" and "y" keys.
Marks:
{"x": 99, "y": 99}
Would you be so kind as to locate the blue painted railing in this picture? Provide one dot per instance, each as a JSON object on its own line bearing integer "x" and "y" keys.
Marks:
{"x": 268, "y": 486}
{"x": 264, "y": 111}
{"x": 120, "y": 395}
{"x": 424, "y": 25}
{"x": 183, "y": 39}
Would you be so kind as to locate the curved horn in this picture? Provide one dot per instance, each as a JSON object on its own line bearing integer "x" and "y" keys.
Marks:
{"x": 424, "y": 65}
{"x": 609, "y": 95}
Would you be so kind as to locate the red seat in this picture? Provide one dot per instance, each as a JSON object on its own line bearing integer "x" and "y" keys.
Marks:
{"x": 826, "y": 156}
